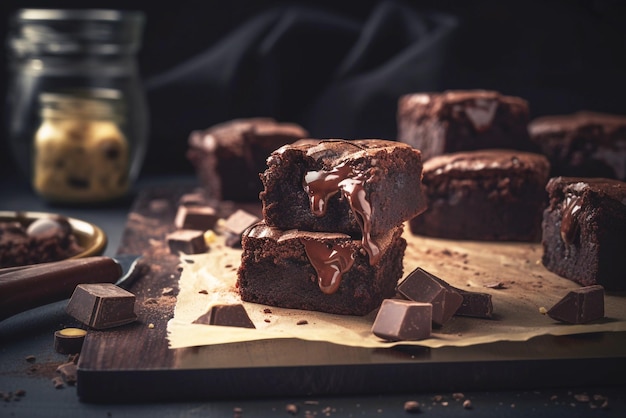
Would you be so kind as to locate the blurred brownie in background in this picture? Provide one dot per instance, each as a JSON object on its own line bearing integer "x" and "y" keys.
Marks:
{"x": 463, "y": 120}
{"x": 229, "y": 157}
{"x": 583, "y": 144}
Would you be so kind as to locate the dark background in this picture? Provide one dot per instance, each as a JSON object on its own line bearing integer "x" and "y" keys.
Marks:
{"x": 561, "y": 56}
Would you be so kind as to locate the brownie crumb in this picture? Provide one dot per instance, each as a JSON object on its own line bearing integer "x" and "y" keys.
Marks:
{"x": 458, "y": 396}
{"x": 30, "y": 358}
{"x": 496, "y": 285}
{"x": 204, "y": 292}
{"x": 412, "y": 406}
{"x": 291, "y": 409}
{"x": 68, "y": 372}
{"x": 302, "y": 322}
{"x": 267, "y": 311}
{"x": 467, "y": 404}
{"x": 582, "y": 397}
{"x": 237, "y": 412}
{"x": 58, "y": 382}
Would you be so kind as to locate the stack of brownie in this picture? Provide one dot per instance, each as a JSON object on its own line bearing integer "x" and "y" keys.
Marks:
{"x": 331, "y": 235}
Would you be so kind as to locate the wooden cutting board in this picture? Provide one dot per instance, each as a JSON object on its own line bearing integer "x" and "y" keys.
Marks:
{"x": 133, "y": 363}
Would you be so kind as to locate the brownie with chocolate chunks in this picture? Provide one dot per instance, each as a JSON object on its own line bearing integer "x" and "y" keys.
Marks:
{"x": 360, "y": 187}
{"x": 229, "y": 156}
{"x": 485, "y": 195}
{"x": 583, "y": 144}
{"x": 318, "y": 271}
{"x": 463, "y": 120}
{"x": 45, "y": 239}
{"x": 584, "y": 231}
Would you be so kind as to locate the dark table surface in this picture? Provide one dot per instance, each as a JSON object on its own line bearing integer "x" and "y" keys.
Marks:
{"x": 31, "y": 334}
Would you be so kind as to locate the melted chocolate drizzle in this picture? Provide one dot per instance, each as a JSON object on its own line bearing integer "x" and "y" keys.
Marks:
{"x": 330, "y": 263}
{"x": 569, "y": 220}
{"x": 322, "y": 185}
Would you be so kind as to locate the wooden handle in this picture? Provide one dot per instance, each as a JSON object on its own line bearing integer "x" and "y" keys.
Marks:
{"x": 26, "y": 288}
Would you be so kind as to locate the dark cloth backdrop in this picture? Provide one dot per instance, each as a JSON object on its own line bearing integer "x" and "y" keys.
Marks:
{"x": 338, "y": 68}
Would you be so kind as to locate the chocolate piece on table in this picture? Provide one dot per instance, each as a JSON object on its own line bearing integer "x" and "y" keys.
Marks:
{"x": 421, "y": 286}
{"x": 232, "y": 315}
{"x": 403, "y": 320}
{"x": 475, "y": 304}
{"x": 69, "y": 372}
{"x": 188, "y": 241}
{"x": 236, "y": 224}
{"x": 102, "y": 305}
{"x": 200, "y": 218}
{"x": 580, "y": 306}
{"x": 69, "y": 340}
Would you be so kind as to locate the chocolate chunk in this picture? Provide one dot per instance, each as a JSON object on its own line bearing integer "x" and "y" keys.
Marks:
{"x": 201, "y": 218}
{"x": 188, "y": 241}
{"x": 403, "y": 320}
{"x": 580, "y": 306}
{"x": 69, "y": 340}
{"x": 68, "y": 372}
{"x": 233, "y": 315}
{"x": 475, "y": 304}
{"x": 235, "y": 224}
{"x": 421, "y": 286}
{"x": 102, "y": 305}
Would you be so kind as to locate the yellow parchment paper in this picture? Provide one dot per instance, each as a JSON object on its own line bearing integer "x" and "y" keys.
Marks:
{"x": 511, "y": 272}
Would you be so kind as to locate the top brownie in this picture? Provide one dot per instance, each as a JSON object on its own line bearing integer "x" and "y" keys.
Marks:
{"x": 583, "y": 144}
{"x": 463, "y": 120}
{"x": 229, "y": 156}
{"x": 358, "y": 187}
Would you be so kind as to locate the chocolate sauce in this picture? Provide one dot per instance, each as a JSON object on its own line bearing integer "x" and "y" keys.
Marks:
{"x": 330, "y": 262}
{"x": 322, "y": 185}
{"x": 569, "y": 221}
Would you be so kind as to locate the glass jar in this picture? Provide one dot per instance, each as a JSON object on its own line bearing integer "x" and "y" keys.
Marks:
{"x": 69, "y": 71}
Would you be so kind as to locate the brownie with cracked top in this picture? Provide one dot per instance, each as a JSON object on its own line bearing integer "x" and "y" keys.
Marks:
{"x": 319, "y": 271}
{"x": 584, "y": 231}
{"x": 583, "y": 144}
{"x": 485, "y": 195}
{"x": 463, "y": 120}
{"x": 229, "y": 156}
{"x": 362, "y": 188}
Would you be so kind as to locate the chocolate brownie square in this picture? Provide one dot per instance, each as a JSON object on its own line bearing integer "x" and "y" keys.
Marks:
{"x": 228, "y": 157}
{"x": 582, "y": 144}
{"x": 485, "y": 195}
{"x": 318, "y": 271}
{"x": 584, "y": 231}
{"x": 362, "y": 188}
{"x": 463, "y": 120}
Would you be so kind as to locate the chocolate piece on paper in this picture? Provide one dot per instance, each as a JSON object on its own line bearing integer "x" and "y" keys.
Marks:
{"x": 200, "y": 218}
{"x": 421, "y": 286}
{"x": 580, "y": 306}
{"x": 236, "y": 224}
{"x": 403, "y": 320}
{"x": 475, "y": 304}
{"x": 102, "y": 305}
{"x": 232, "y": 315}
{"x": 188, "y": 241}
